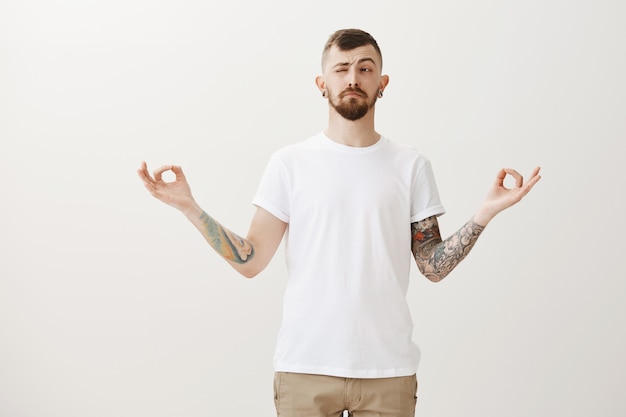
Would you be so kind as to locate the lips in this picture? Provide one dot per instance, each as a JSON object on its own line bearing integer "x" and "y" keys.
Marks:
{"x": 353, "y": 92}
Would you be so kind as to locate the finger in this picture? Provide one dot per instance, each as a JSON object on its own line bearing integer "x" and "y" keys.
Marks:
{"x": 178, "y": 171}
{"x": 519, "y": 180}
{"x": 534, "y": 179}
{"x": 535, "y": 172}
{"x": 500, "y": 177}
{"x": 142, "y": 168}
{"x": 529, "y": 184}
{"x": 144, "y": 175}
{"x": 147, "y": 183}
{"x": 159, "y": 172}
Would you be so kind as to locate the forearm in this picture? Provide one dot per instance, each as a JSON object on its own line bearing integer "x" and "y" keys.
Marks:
{"x": 237, "y": 251}
{"x": 436, "y": 258}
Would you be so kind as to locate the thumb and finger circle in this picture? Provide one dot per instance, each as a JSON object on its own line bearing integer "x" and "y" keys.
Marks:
{"x": 176, "y": 170}
{"x": 519, "y": 179}
{"x": 158, "y": 173}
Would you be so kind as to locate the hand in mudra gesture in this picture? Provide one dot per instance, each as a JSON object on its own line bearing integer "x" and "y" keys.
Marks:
{"x": 176, "y": 193}
{"x": 500, "y": 197}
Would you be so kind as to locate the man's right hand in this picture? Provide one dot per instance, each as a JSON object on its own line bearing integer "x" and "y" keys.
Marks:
{"x": 249, "y": 255}
{"x": 176, "y": 193}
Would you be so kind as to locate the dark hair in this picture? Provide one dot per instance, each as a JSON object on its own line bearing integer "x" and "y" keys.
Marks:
{"x": 347, "y": 39}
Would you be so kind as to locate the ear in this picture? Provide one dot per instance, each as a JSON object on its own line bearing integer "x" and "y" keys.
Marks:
{"x": 384, "y": 80}
{"x": 319, "y": 81}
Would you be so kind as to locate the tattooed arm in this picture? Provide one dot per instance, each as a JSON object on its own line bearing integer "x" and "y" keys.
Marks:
{"x": 249, "y": 255}
{"x": 435, "y": 257}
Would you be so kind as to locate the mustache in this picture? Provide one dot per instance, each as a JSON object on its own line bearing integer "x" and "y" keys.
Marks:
{"x": 353, "y": 90}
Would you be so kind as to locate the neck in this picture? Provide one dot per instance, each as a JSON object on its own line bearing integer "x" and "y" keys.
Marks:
{"x": 359, "y": 133}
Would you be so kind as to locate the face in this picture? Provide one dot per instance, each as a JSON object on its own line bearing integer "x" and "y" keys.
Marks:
{"x": 352, "y": 80}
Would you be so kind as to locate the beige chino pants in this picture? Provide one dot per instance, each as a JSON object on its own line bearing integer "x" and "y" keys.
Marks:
{"x": 305, "y": 395}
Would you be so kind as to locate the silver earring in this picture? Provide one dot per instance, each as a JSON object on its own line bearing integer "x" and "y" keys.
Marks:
{"x": 380, "y": 93}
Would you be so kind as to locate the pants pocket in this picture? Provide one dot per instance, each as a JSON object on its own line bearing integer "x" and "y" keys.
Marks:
{"x": 277, "y": 381}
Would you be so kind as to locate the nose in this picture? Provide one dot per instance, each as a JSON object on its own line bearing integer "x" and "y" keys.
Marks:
{"x": 353, "y": 79}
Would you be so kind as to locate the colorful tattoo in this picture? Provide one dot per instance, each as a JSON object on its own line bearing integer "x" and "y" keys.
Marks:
{"x": 229, "y": 245}
{"x": 435, "y": 257}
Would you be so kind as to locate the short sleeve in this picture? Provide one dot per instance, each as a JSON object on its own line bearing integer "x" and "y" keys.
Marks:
{"x": 273, "y": 190}
{"x": 425, "y": 195}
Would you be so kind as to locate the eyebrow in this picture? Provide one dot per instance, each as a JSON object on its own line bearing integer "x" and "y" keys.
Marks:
{"x": 360, "y": 61}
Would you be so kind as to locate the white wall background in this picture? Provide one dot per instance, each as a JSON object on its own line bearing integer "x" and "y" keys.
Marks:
{"x": 111, "y": 304}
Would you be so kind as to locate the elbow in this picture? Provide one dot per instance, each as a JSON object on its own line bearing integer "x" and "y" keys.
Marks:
{"x": 248, "y": 271}
{"x": 433, "y": 275}
{"x": 249, "y": 274}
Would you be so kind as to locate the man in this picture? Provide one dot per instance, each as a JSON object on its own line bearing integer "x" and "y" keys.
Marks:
{"x": 353, "y": 206}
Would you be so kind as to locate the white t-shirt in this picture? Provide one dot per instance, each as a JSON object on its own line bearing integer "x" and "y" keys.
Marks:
{"x": 348, "y": 253}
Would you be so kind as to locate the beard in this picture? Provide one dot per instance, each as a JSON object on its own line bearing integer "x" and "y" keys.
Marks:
{"x": 352, "y": 109}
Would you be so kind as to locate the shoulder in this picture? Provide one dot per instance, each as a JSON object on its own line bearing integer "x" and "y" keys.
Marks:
{"x": 405, "y": 153}
{"x": 298, "y": 148}
{"x": 288, "y": 158}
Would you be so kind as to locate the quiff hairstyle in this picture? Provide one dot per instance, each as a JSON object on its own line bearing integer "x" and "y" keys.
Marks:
{"x": 348, "y": 39}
